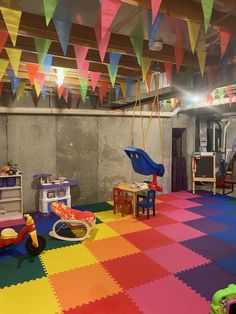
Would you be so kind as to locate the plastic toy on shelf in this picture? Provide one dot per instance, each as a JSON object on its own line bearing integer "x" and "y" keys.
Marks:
{"x": 53, "y": 190}
{"x": 34, "y": 245}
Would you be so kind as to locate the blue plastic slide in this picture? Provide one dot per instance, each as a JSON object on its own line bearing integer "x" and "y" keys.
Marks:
{"x": 143, "y": 164}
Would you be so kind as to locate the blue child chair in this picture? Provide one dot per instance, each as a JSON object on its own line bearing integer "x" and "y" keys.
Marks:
{"x": 146, "y": 202}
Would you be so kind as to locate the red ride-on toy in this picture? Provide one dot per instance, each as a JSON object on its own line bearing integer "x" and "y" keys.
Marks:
{"x": 34, "y": 245}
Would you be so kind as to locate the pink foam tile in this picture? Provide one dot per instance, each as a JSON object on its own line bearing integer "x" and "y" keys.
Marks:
{"x": 185, "y": 195}
{"x": 182, "y": 215}
{"x": 180, "y": 232}
{"x": 176, "y": 258}
{"x": 167, "y": 296}
{"x": 182, "y": 203}
{"x": 167, "y": 197}
{"x": 10, "y": 223}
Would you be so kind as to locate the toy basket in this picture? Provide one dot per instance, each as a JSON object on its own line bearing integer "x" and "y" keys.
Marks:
{"x": 2, "y": 182}
{"x": 10, "y": 181}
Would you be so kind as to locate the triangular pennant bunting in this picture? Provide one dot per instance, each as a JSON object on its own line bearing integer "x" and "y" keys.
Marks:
{"x": 224, "y": 41}
{"x": 193, "y": 30}
{"x": 13, "y": 79}
{"x": 221, "y": 92}
{"x": 114, "y": 59}
{"x": 103, "y": 91}
{"x": 32, "y": 72}
{"x": 229, "y": 92}
{"x": 63, "y": 29}
{"x": 14, "y": 56}
{"x": 83, "y": 89}
{"x": 37, "y": 88}
{"x": 109, "y": 9}
{"x": 146, "y": 62}
{"x": 80, "y": 54}
{"x": 123, "y": 88}
{"x": 201, "y": 54}
{"x": 84, "y": 70}
{"x": 65, "y": 94}
{"x": 42, "y": 46}
{"x": 153, "y": 28}
{"x": 136, "y": 38}
{"x": 129, "y": 85}
{"x": 3, "y": 67}
{"x": 112, "y": 76}
{"x": 148, "y": 81}
{"x": 3, "y": 38}
{"x": 12, "y": 21}
{"x": 20, "y": 91}
{"x": 47, "y": 63}
{"x": 155, "y": 9}
{"x": 102, "y": 42}
{"x": 49, "y": 9}
{"x": 94, "y": 79}
{"x": 211, "y": 73}
{"x": 44, "y": 92}
{"x": 75, "y": 100}
{"x": 207, "y": 6}
{"x": 117, "y": 92}
{"x": 61, "y": 73}
{"x": 168, "y": 69}
{"x": 41, "y": 78}
{"x": 60, "y": 90}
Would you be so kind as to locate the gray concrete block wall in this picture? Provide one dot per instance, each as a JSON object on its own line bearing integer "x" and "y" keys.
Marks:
{"x": 3, "y": 139}
{"x": 31, "y": 142}
{"x": 77, "y": 155}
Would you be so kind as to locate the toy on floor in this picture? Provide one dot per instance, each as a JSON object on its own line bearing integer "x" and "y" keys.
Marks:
{"x": 79, "y": 222}
{"x": 224, "y": 301}
{"x": 143, "y": 164}
{"x": 34, "y": 245}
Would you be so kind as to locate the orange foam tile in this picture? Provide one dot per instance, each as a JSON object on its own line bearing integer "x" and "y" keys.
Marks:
{"x": 128, "y": 226}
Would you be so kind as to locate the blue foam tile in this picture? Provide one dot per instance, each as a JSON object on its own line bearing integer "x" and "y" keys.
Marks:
{"x": 222, "y": 205}
{"x": 228, "y": 263}
{"x": 228, "y": 236}
{"x": 226, "y": 218}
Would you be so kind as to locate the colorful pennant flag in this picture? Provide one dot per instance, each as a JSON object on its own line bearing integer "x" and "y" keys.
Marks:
{"x": 41, "y": 78}
{"x": 75, "y": 99}
{"x": 1, "y": 88}
{"x": 153, "y": 28}
{"x": 112, "y": 76}
{"x": 94, "y": 79}
{"x": 155, "y": 9}
{"x": 83, "y": 89}
{"x": 84, "y": 70}
{"x": 47, "y": 63}
{"x": 60, "y": 90}
{"x": 221, "y": 92}
{"x": 117, "y": 91}
{"x": 114, "y": 59}
{"x": 13, "y": 79}
{"x": 146, "y": 62}
{"x": 102, "y": 42}
{"x": 80, "y": 54}
{"x": 14, "y": 56}
{"x": 42, "y": 46}
{"x": 3, "y": 38}
{"x": 49, "y": 9}
{"x": 32, "y": 72}
{"x": 224, "y": 41}
{"x": 129, "y": 85}
{"x": 103, "y": 91}
{"x": 109, "y": 9}
{"x": 229, "y": 92}
{"x": 61, "y": 73}
{"x": 20, "y": 90}
{"x": 37, "y": 88}
{"x": 65, "y": 94}
{"x": 211, "y": 74}
{"x": 3, "y": 67}
{"x": 44, "y": 92}
{"x": 123, "y": 88}
{"x": 193, "y": 30}
{"x": 63, "y": 29}
{"x": 168, "y": 69}
{"x": 201, "y": 54}
{"x": 136, "y": 38}
{"x": 12, "y": 21}
{"x": 148, "y": 81}
{"x": 207, "y": 6}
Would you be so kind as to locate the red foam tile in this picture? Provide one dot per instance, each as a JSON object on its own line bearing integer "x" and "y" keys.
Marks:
{"x": 167, "y": 197}
{"x": 167, "y": 296}
{"x": 116, "y": 304}
{"x": 148, "y": 239}
{"x": 176, "y": 258}
{"x": 134, "y": 270}
{"x": 182, "y": 215}
{"x": 182, "y": 203}
{"x": 161, "y": 207}
{"x": 185, "y": 195}
{"x": 159, "y": 220}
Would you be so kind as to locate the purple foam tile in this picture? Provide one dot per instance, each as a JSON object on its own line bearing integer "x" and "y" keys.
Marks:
{"x": 207, "y": 225}
{"x": 207, "y": 279}
{"x": 206, "y": 211}
{"x": 210, "y": 247}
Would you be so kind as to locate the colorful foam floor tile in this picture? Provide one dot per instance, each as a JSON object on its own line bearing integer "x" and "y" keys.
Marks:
{"x": 109, "y": 216}
{"x": 128, "y": 225}
{"x": 101, "y": 231}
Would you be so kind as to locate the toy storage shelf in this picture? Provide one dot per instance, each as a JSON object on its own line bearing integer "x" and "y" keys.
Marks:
{"x": 11, "y": 198}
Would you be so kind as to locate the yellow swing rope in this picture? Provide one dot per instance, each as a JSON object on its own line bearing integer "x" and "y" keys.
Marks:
{"x": 130, "y": 141}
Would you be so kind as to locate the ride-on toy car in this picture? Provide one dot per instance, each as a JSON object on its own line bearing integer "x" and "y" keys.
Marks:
{"x": 34, "y": 245}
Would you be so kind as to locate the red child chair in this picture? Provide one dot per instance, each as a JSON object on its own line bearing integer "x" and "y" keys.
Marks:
{"x": 121, "y": 202}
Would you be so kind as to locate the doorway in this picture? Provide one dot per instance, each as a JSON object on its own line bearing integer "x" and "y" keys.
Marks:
{"x": 179, "y": 169}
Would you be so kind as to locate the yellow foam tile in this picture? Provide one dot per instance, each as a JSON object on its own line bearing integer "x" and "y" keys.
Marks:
{"x": 110, "y": 202}
{"x": 36, "y": 296}
{"x": 108, "y": 216}
{"x": 67, "y": 258}
{"x": 102, "y": 231}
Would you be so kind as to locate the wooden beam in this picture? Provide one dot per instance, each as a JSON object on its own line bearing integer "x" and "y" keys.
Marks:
{"x": 34, "y": 26}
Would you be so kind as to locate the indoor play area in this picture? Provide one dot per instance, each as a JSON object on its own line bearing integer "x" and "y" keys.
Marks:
{"x": 118, "y": 157}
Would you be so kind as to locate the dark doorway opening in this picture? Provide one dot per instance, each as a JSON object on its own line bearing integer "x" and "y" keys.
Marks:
{"x": 179, "y": 170}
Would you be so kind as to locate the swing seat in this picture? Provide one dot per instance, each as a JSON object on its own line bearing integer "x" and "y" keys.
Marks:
{"x": 79, "y": 222}
{"x": 144, "y": 165}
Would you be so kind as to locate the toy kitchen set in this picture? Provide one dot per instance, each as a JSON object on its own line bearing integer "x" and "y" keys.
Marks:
{"x": 53, "y": 190}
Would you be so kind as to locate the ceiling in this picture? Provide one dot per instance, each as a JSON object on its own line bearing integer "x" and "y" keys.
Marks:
{"x": 84, "y": 15}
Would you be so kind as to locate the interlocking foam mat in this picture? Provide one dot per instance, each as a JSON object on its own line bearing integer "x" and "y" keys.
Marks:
{"x": 172, "y": 263}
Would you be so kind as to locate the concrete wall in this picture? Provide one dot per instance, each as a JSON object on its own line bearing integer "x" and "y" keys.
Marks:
{"x": 89, "y": 149}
